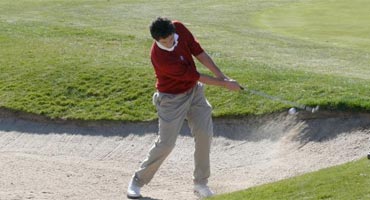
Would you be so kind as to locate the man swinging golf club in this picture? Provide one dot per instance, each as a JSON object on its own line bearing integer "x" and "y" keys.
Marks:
{"x": 180, "y": 96}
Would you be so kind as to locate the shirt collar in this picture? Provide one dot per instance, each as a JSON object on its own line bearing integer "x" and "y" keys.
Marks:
{"x": 176, "y": 38}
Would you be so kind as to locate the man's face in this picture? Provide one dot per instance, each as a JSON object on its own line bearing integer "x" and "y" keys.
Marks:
{"x": 168, "y": 42}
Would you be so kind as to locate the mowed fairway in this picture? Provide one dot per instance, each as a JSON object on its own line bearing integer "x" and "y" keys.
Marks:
{"x": 339, "y": 23}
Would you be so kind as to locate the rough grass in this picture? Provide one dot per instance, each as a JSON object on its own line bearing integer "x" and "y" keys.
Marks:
{"x": 90, "y": 59}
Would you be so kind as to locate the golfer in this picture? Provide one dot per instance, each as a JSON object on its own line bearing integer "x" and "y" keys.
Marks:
{"x": 180, "y": 96}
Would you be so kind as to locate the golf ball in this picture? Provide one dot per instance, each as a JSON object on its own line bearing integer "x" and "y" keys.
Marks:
{"x": 292, "y": 111}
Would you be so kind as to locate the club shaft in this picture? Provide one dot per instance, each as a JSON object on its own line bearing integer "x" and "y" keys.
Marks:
{"x": 274, "y": 98}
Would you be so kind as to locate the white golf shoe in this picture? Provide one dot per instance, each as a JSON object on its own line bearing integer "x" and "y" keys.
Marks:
{"x": 133, "y": 191}
{"x": 203, "y": 190}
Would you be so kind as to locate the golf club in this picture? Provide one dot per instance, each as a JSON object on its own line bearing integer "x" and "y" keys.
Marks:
{"x": 292, "y": 110}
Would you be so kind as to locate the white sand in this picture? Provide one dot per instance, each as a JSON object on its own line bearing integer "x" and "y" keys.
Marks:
{"x": 43, "y": 159}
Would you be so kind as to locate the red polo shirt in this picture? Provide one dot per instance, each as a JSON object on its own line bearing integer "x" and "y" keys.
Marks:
{"x": 175, "y": 70}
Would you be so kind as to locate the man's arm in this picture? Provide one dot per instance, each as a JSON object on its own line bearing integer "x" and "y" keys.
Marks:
{"x": 220, "y": 79}
{"x": 207, "y": 61}
{"x": 226, "y": 83}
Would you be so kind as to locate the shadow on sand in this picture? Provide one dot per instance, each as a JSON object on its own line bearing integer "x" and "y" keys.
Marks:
{"x": 308, "y": 127}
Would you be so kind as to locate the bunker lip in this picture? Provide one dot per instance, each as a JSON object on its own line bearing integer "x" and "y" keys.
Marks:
{"x": 122, "y": 128}
{"x": 96, "y": 159}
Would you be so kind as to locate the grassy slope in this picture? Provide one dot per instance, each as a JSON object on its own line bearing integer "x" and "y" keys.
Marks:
{"x": 344, "y": 182}
{"x": 89, "y": 60}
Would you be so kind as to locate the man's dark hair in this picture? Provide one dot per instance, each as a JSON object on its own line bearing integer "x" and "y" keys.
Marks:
{"x": 161, "y": 28}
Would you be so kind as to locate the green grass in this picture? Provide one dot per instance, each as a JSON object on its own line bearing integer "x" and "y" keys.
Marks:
{"x": 344, "y": 182}
{"x": 336, "y": 23}
{"x": 90, "y": 59}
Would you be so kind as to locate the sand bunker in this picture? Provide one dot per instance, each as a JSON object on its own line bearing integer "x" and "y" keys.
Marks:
{"x": 43, "y": 159}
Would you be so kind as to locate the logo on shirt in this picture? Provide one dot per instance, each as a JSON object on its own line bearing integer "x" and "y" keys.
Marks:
{"x": 182, "y": 58}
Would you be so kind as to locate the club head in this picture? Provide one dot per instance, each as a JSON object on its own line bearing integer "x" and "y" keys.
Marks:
{"x": 311, "y": 110}
{"x": 315, "y": 109}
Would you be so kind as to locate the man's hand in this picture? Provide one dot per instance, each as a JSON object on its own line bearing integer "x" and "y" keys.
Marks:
{"x": 222, "y": 76}
{"x": 232, "y": 85}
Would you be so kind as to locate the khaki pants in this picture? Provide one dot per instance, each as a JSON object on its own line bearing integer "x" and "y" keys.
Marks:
{"x": 172, "y": 111}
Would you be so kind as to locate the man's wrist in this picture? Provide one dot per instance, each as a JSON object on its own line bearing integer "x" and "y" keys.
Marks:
{"x": 224, "y": 83}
